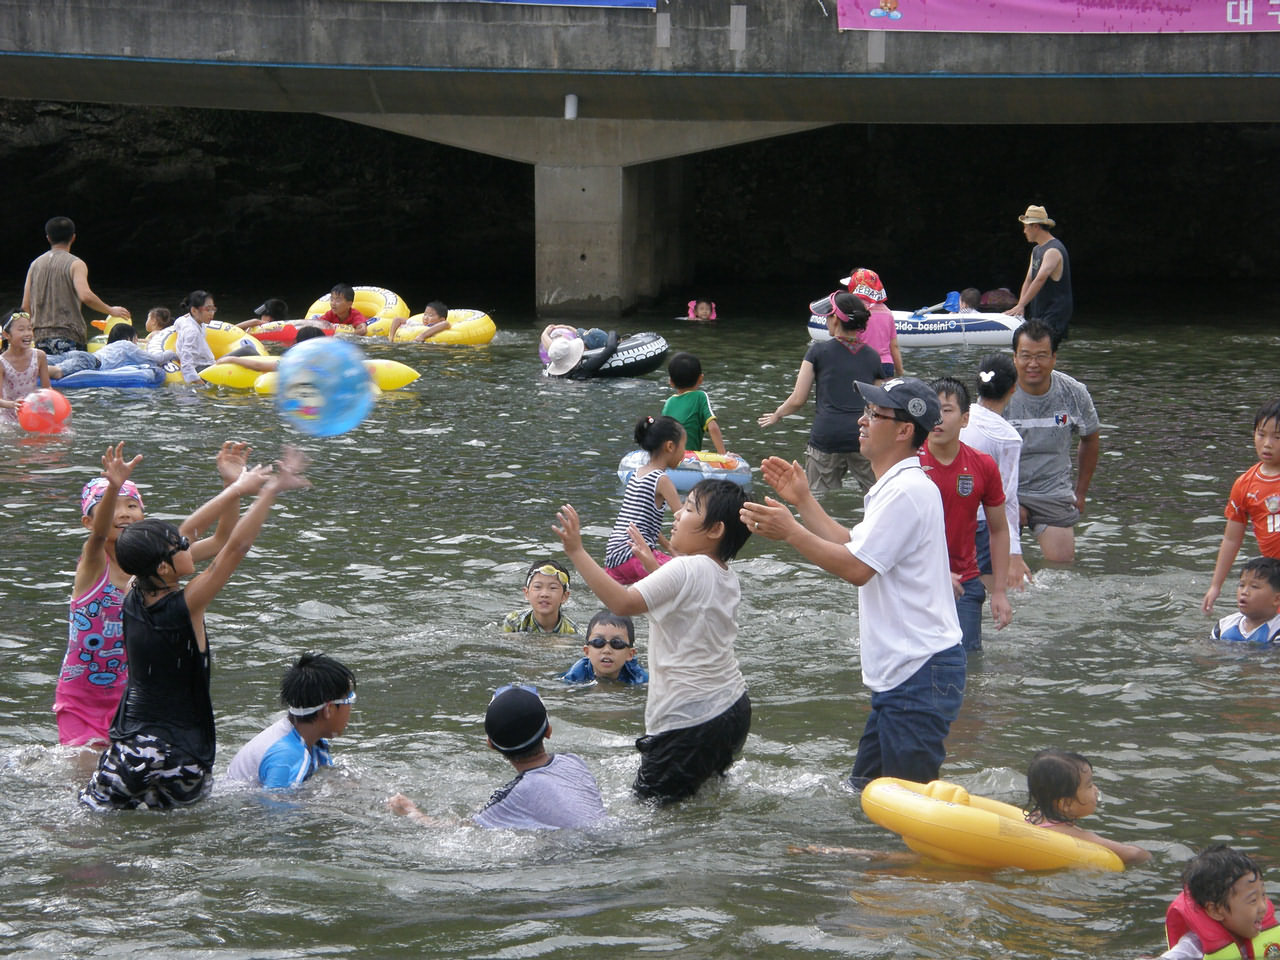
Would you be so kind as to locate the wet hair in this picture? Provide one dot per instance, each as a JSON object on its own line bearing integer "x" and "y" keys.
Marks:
{"x": 162, "y": 315}
{"x": 142, "y": 546}
{"x": 121, "y": 331}
{"x": 609, "y": 618}
{"x": 308, "y": 332}
{"x": 652, "y": 432}
{"x": 441, "y": 310}
{"x": 853, "y": 308}
{"x": 1035, "y": 330}
{"x": 996, "y": 376}
{"x": 971, "y": 297}
{"x": 1211, "y": 874}
{"x": 196, "y": 298}
{"x": 59, "y": 229}
{"x": 721, "y": 502}
{"x": 951, "y": 387}
{"x": 684, "y": 370}
{"x": 315, "y": 679}
{"x": 1053, "y": 776}
{"x": 537, "y": 566}
{"x": 1268, "y": 412}
{"x": 11, "y": 316}
{"x": 344, "y": 290}
{"x": 1268, "y": 568}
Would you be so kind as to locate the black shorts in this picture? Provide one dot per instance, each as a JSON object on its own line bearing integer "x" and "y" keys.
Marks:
{"x": 144, "y": 771}
{"x": 673, "y": 765}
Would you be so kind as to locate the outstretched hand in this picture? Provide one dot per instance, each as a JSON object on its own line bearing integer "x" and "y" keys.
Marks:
{"x": 570, "y": 529}
{"x": 787, "y": 479}
{"x": 251, "y": 480}
{"x": 770, "y": 519}
{"x": 289, "y": 470}
{"x": 115, "y": 468}
{"x": 232, "y": 460}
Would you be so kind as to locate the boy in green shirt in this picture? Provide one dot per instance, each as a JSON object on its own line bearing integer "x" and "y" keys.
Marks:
{"x": 690, "y": 405}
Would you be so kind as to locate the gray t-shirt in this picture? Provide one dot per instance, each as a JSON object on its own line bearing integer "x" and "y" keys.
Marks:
{"x": 1047, "y": 424}
{"x": 563, "y": 794}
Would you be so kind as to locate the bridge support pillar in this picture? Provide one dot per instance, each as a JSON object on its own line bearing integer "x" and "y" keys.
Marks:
{"x": 606, "y": 236}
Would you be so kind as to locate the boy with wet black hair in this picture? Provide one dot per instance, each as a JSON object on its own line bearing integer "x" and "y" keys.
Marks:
{"x": 690, "y": 405}
{"x": 318, "y": 692}
{"x": 1222, "y": 911}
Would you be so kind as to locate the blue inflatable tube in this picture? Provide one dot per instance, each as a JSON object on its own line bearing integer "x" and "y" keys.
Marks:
{"x": 699, "y": 465}
{"x": 141, "y": 375}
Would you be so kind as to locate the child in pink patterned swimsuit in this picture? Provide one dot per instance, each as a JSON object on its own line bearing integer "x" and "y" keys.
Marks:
{"x": 94, "y": 670}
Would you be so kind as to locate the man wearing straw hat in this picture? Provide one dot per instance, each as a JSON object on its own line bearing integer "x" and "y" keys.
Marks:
{"x": 1046, "y": 290}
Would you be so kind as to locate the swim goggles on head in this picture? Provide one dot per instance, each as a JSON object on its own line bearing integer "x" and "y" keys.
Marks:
{"x": 306, "y": 711}
{"x": 550, "y": 571}
{"x": 14, "y": 316}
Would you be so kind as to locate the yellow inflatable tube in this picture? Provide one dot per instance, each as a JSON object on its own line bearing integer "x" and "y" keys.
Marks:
{"x": 373, "y": 302}
{"x": 222, "y": 339}
{"x": 942, "y": 821}
{"x": 386, "y": 375}
{"x": 467, "y": 328}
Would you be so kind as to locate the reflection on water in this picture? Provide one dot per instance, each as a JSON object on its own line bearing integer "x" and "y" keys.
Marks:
{"x": 410, "y": 547}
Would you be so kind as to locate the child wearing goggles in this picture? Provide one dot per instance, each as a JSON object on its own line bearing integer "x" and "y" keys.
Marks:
{"x": 609, "y": 653}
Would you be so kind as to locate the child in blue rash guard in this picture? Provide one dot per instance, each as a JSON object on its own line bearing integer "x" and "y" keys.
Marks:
{"x": 610, "y": 652}
{"x": 318, "y": 692}
{"x": 546, "y": 587}
{"x": 1257, "y": 618}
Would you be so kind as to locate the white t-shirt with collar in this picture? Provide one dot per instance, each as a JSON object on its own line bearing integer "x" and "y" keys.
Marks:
{"x": 907, "y": 611}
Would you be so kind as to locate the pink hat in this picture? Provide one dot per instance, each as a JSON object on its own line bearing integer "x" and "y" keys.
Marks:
{"x": 96, "y": 489}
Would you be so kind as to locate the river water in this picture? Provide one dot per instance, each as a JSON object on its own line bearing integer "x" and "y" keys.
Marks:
{"x": 410, "y": 547}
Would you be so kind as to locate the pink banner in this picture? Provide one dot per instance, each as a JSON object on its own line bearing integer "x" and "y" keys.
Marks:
{"x": 1061, "y": 16}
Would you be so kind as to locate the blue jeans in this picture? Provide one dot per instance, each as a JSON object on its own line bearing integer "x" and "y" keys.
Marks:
{"x": 908, "y": 725}
{"x": 969, "y": 611}
{"x": 982, "y": 540}
{"x": 73, "y": 361}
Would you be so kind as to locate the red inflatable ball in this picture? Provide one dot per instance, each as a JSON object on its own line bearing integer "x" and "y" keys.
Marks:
{"x": 45, "y": 411}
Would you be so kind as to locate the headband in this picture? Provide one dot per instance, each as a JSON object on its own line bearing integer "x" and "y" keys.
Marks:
{"x": 307, "y": 711}
{"x": 550, "y": 571}
{"x": 96, "y": 489}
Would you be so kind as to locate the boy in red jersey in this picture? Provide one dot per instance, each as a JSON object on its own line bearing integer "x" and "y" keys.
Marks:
{"x": 968, "y": 479}
{"x": 1254, "y": 496}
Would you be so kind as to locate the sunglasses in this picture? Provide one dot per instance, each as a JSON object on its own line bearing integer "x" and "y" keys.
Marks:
{"x": 615, "y": 642}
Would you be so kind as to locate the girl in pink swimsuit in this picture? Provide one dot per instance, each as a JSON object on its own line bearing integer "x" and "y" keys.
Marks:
{"x": 23, "y": 368}
{"x": 94, "y": 669}
{"x": 1060, "y": 791}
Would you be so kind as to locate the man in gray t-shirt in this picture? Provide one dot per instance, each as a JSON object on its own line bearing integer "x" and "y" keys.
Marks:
{"x": 1046, "y": 409}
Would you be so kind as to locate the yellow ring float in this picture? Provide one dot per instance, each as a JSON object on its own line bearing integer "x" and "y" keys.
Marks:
{"x": 374, "y": 302}
{"x": 466, "y": 328}
{"x": 386, "y": 375}
{"x": 943, "y": 821}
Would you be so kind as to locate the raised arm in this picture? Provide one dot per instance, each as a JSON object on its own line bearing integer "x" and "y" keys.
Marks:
{"x": 789, "y": 481}
{"x": 774, "y": 521}
{"x": 93, "y": 556}
{"x": 620, "y": 599}
{"x": 231, "y": 461}
{"x": 288, "y": 476}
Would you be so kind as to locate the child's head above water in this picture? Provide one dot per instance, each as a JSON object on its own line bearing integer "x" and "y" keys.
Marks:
{"x": 1060, "y": 787}
{"x": 653, "y": 434}
{"x": 996, "y": 376}
{"x": 611, "y": 642}
{"x": 516, "y": 722}
{"x": 158, "y": 318}
{"x": 1227, "y": 885}
{"x": 1258, "y": 595}
{"x": 143, "y": 547}
{"x": 546, "y": 588}
{"x": 710, "y": 521}
{"x": 1266, "y": 434}
{"x": 971, "y": 297}
{"x": 16, "y": 327}
{"x": 315, "y": 689}
{"x": 128, "y": 503}
{"x": 685, "y": 371}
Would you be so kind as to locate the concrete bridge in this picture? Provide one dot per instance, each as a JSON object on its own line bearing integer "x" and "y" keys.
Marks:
{"x": 604, "y": 102}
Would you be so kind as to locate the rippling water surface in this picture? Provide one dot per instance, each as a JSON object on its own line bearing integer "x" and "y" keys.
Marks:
{"x": 410, "y": 547}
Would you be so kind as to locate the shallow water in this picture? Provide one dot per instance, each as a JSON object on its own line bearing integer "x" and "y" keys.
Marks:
{"x": 410, "y": 547}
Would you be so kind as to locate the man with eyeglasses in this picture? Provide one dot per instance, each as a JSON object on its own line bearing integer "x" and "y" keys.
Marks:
{"x": 909, "y": 634}
{"x": 1047, "y": 408}
{"x": 57, "y": 284}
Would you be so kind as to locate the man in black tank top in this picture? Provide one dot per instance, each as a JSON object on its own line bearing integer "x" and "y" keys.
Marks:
{"x": 1046, "y": 290}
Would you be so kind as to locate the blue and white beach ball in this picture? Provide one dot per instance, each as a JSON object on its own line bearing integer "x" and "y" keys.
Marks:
{"x": 323, "y": 387}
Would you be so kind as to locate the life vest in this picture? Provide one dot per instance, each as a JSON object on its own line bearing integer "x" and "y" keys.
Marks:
{"x": 1184, "y": 915}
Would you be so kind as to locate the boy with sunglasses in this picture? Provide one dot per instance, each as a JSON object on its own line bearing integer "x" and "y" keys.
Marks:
{"x": 318, "y": 692}
{"x": 546, "y": 587}
{"x": 610, "y": 652}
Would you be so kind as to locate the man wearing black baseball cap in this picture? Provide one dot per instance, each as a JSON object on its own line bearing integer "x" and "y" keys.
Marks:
{"x": 912, "y": 658}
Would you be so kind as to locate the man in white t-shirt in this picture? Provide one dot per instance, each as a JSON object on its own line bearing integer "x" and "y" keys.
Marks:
{"x": 912, "y": 658}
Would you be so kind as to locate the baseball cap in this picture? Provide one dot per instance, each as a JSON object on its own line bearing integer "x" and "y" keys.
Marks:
{"x": 915, "y": 398}
{"x": 516, "y": 719}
